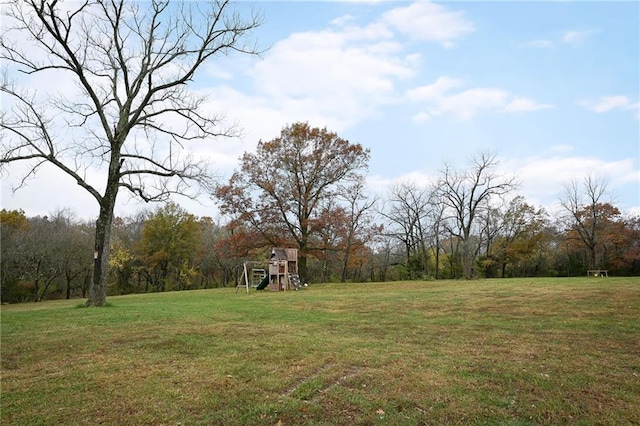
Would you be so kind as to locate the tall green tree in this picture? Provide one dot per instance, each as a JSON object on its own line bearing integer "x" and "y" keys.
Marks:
{"x": 520, "y": 233}
{"x": 168, "y": 246}
{"x": 281, "y": 191}
{"x": 132, "y": 114}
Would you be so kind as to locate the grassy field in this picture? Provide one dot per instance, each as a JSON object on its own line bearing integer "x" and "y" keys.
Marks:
{"x": 490, "y": 352}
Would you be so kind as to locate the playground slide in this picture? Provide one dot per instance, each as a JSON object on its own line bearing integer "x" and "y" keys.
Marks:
{"x": 264, "y": 283}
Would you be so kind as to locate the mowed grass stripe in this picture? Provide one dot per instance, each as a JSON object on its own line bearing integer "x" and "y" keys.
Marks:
{"x": 513, "y": 352}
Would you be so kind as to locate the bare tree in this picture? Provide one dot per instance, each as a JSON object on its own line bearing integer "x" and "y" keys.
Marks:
{"x": 71, "y": 247}
{"x": 32, "y": 257}
{"x": 437, "y": 221}
{"x": 359, "y": 224}
{"x": 408, "y": 215}
{"x": 131, "y": 114}
{"x": 586, "y": 207}
{"x": 466, "y": 194}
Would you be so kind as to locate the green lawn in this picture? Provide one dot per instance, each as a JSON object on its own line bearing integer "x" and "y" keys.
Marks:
{"x": 490, "y": 352}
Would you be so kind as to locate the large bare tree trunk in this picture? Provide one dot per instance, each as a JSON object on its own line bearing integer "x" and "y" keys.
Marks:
{"x": 102, "y": 245}
{"x": 467, "y": 259}
{"x": 302, "y": 267}
{"x": 98, "y": 287}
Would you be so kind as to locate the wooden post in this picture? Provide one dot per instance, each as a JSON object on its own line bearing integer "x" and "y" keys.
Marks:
{"x": 286, "y": 275}
{"x": 246, "y": 277}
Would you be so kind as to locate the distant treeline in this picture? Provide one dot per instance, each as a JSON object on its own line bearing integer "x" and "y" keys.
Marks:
{"x": 169, "y": 249}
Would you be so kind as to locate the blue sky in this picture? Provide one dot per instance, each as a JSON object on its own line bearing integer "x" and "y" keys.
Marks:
{"x": 551, "y": 87}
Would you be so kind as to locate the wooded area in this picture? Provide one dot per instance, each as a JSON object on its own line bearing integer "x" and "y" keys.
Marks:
{"x": 406, "y": 235}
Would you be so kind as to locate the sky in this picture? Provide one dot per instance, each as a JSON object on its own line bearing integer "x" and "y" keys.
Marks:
{"x": 552, "y": 88}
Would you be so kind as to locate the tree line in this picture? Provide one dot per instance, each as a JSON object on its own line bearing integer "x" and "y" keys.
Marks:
{"x": 470, "y": 223}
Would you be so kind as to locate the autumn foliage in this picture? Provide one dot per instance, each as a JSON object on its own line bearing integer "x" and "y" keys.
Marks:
{"x": 287, "y": 193}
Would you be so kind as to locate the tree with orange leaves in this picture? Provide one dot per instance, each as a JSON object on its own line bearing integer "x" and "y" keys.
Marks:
{"x": 285, "y": 191}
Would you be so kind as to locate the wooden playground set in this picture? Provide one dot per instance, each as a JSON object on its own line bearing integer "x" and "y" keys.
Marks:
{"x": 281, "y": 274}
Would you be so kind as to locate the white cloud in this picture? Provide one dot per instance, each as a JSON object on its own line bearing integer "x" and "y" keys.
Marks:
{"x": 434, "y": 91}
{"x": 561, "y": 148}
{"x": 340, "y": 75}
{"x": 336, "y": 77}
{"x": 359, "y": 1}
{"x": 377, "y": 184}
{"x": 218, "y": 72}
{"x": 567, "y": 37}
{"x": 427, "y": 21}
{"x": 633, "y": 211}
{"x": 543, "y": 177}
{"x": 347, "y": 71}
{"x": 438, "y": 98}
{"x": 608, "y": 103}
{"x": 539, "y": 44}
{"x": 49, "y": 190}
{"x": 342, "y": 20}
{"x": 465, "y": 105}
{"x": 575, "y": 37}
{"x": 525, "y": 104}
{"x": 421, "y": 117}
